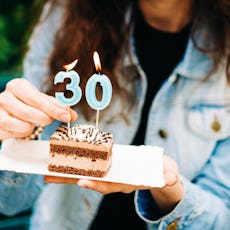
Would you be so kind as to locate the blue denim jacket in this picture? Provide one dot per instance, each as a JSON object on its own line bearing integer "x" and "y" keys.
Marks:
{"x": 191, "y": 110}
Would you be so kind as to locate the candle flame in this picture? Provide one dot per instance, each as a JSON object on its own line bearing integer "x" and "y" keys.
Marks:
{"x": 71, "y": 65}
{"x": 97, "y": 62}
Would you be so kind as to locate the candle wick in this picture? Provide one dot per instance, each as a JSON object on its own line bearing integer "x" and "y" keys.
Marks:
{"x": 97, "y": 119}
{"x": 68, "y": 124}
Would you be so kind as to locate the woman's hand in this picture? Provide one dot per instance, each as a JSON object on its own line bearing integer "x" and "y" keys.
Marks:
{"x": 170, "y": 176}
{"x": 172, "y": 193}
{"x": 166, "y": 197}
{"x": 22, "y": 106}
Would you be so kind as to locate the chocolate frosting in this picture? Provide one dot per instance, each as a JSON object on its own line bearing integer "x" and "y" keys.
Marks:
{"x": 82, "y": 133}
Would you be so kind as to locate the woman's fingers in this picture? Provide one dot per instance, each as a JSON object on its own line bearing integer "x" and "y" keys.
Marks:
{"x": 60, "y": 180}
{"x": 7, "y": 134}
{"x": 22, "y": 111}
{"x": 11, "y": 127}
{"x": 109, "y": 187}
{"x": 22, "y": 106}
{"x": 29, "y": 95}
{"x": 73, "y": 114}
{"x": 99, "y": 186}
{"x": 104, "y": 187}
{"x": 12, "y": 124}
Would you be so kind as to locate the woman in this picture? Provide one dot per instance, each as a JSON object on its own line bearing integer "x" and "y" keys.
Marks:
{"x": 167, "y": 60}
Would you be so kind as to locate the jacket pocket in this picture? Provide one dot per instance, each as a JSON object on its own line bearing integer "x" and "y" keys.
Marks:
{"x": 209, "y": 119}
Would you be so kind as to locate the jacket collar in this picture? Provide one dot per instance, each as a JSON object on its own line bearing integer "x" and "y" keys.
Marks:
{"x": 195, "y": 63}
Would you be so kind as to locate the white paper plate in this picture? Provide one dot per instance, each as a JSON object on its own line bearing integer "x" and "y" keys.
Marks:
{"x": 138, "y": 165}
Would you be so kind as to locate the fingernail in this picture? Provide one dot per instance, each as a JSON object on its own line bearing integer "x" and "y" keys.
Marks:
{"x": 171, "y": 178}
{"x": 65, "y": 117}
{"x": 75, "y": 115}
{"x": 81, "y": 183}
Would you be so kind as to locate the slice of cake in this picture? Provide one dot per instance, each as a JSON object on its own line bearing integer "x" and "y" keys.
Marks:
{"x": 82, "y": 150}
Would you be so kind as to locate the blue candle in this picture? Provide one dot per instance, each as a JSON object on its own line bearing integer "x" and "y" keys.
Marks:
{"x": 73, "y": 86}
{"x": 91, "y": 91}
{"x": 105, "y": 83}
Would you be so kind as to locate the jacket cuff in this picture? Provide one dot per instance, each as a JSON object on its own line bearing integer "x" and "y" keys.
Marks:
{"x": 183, "y": 212}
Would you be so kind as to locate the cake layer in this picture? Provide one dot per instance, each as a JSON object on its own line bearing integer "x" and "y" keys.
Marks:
{"x": 80, "y": 149}
{"x": 71, "y": 170}
{"x": 102, "y": 147}
{"x": 79, "y": 162}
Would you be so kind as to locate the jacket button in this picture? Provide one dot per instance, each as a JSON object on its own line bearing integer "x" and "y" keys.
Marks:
{"x": 172, "y": 226}
{"x": 163, "y": 134}
{"x": 216, "y": 125}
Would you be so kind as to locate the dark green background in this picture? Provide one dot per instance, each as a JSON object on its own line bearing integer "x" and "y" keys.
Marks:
{"x": 17, "y": 18}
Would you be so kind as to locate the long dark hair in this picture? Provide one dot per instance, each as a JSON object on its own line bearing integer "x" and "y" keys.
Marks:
{"x": 100, "y": 25}
{"x": 93, "y": 26}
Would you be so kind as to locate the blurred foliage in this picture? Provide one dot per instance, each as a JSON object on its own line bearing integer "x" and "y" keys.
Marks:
{"x": 17, "y": 18}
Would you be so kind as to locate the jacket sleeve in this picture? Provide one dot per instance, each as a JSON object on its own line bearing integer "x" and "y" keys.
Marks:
{"x": 206, "y": 201}
{"x": 18, "y": 191}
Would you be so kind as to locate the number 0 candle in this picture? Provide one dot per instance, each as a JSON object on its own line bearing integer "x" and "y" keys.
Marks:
{"x": 90, "y": 90}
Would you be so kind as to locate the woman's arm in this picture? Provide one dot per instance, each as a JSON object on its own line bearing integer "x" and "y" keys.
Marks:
{"x": 206, "y": 200}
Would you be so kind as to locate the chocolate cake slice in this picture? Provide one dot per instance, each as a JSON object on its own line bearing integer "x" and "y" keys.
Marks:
{"x": 82, "y": 150}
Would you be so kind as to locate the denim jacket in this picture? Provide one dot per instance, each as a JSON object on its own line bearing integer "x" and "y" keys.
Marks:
{"x": 192, "y": 112}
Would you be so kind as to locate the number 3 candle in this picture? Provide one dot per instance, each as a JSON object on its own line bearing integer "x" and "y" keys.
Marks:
{"x": 90, "y": 90}
{"x": 73, "y": 86}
